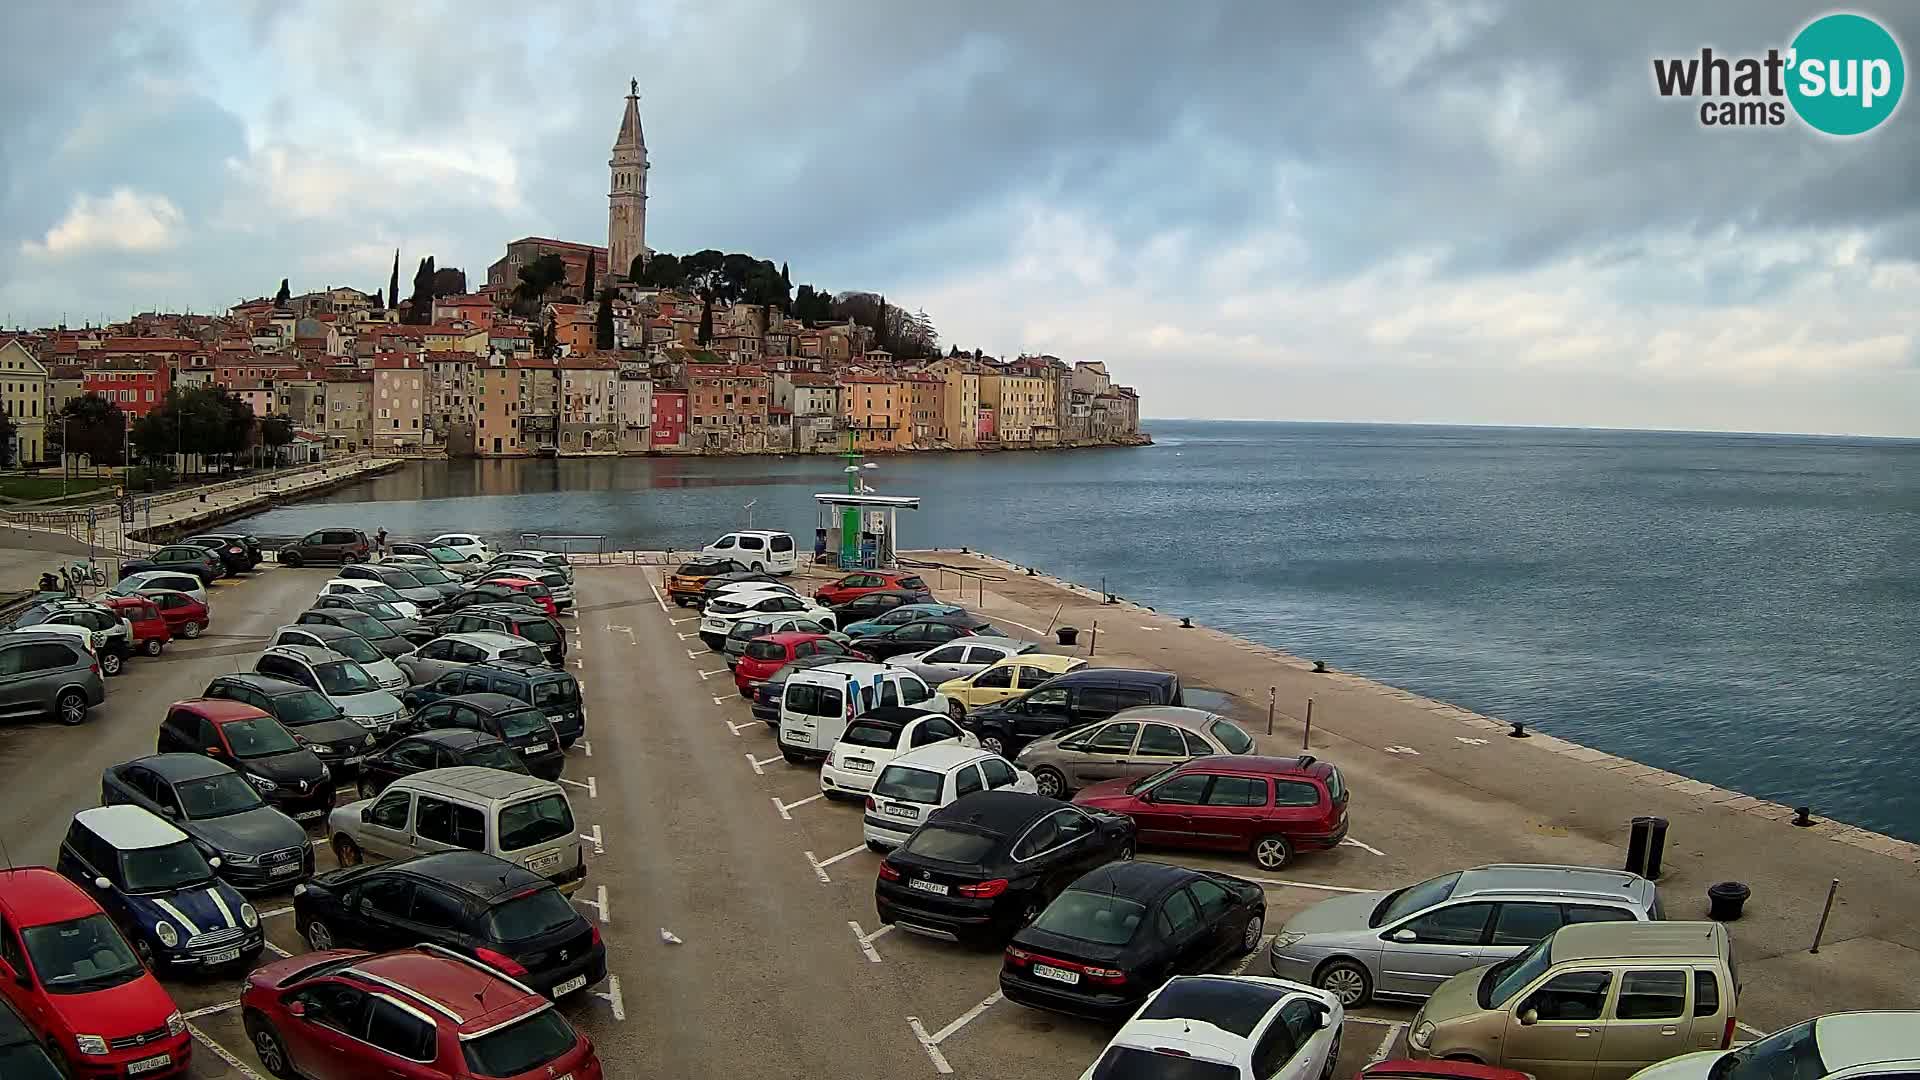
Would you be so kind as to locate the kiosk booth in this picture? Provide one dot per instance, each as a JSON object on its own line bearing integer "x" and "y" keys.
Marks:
{"x": 857, "y": 532}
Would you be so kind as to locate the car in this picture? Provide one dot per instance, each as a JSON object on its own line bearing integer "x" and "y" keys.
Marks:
{"x": 351, "y": 688}
{"x": 871, "y": 605}
{"x": 21, "y": 1057}
{"x": 923, "y": 634}
{"x": 1218, "y": 1027}
{"x": 746, "y": 630}
{"x": 1837, "y": 1046}
{"x": 748, "y": 578}
{"x": 150, "y": 630}
{"x": 450, "y": 652}
{"x": 1409, "y": 1069}
{"x": 1133, "y": 743}
{"x": 871, "y": 743}
{"x": 413, "y": 631}
{"x": 861, "y": 582}
{"x": 250, "y": 553}
{"x": 772, "y": 651}
{"x": 146, "y": 581}
{"x": 960, "y": 657}
{"x": 437, "y": 1014}
{"x": 437, "y": 748}
{"x": 327, "y": 547}
{"x": 1004, "y": 679}
{"x": 160, "y": 890}
{"x": 718, "y": 617}
{"x": 559, "y": 590}
{"x": 93, "y": 1004}
{"x": 1120, "y": 931}
{"x": 525, "y": 729}
{"x": 474, "y": 548}
{"x": 491, "y": 594}
{"x": 448, "y": 560}
{"x": 768, "y": 696}
{"x": 555, "y": 693}
{"x": 467, "y": 902}
{"x": 232, "y": 553}
{"x": 515, "y": 619}
{"x": 378, "y": 634}
{"x": 552, "y": 560}
{"x": 260, "y": 748}
{"x": 185, "y": 616}
{"x": 109, "y": 637}
{"x": 1267, "y": 807}
{"x": 525, "y": 586}
{"x": 915, "y": 784}
{"x": 409, "y": 588}
{"x": 316, "y": 722}
{"x": 258, "y": 847}
{"x": 818, "y": 704}
{"x": 338, "y": 639}
{"x": 417, "y": 568}
{"x": 47, "y": 675}
{"x": 1402, "y": 943}
{"x": 685, "y": 584}
{"x": 1072, "y": 700}
{"x": 181, "y": 559}
{"x": 760, "y": 549}
{"x": 522, "y": 819}
{"x": 986, "y": 865}
{"x": 901, "y": 615}
{"x": 380, "y": 590}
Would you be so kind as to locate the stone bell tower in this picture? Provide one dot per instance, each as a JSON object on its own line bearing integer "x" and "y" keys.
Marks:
{"x": 627, "y": 198}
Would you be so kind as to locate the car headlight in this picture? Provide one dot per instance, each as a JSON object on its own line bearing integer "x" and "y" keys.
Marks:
{"x": 238, "y": 858}
{"x": 1287, "y": 940}
{"x": 249, "y": 916}
{"x": 176, "y": 1023}
{"x": 166, "y": 933}
{"x": 262, "y": 782}
{"x": 94, "y": 1045}
{"x": 1422, "y": 1035}
{"x": 326, "y": 774}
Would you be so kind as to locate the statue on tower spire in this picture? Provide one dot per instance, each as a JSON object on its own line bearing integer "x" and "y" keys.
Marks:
{"x": 633, "y": 87}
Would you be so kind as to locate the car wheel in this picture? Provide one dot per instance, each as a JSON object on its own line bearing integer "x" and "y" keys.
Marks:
{"x": 270, "y": 1050}
{"x": 1333, "y": 1058}
{"x": 318, "y": 935}
{"x": 876, "y": 847}
{"x": 111, "y": 664}
{"x": 957, "y": 711}
{"x": 1347, "y": 981}
{"x": 71, "y": 707}
{"x": 288, "y": 558}
{"x": 757, "y": 568}
{"x": 1051, "y": 783}
{"x": 190, "y": 630}
{"x": 1272, "y": 852}
{"x": 347, "y": 851}
{"x": 152, "y": 646}
{"x": 1250, "y": 938}
{"x": 993, "y": 744}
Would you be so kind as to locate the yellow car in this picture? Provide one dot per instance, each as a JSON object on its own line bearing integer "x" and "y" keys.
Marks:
{"x": 1005, "y": 678}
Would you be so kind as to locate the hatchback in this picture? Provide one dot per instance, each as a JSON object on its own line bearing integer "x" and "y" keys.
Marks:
{"x": 145, "y": 582}
{"x": 1837, "y": 1046}
{"x": 768, "y": 653}
{"x": 522, "y": 819}
{"x": 344, "y": 1015}
{"x": 21, "y": 1057}
{"x": 1135, "y": 743}
{"x": 447, "y": 559}
{"x": 410, "y": 588}
{"x": 719, "y": 583}
{"x": 316, "y": 722}
{"x": 527, "y": 587}
{"x": 861, "y": 582}
{"x": 438, "y": 748}
{"x": 150, "y": 630}
{"x": 379, "y": 590}
{"x": 1268, "y": 807}
{"x": 41, "y": 674}
{"x": 513, "y": 921}
{"x": 559, "y": 590}
{"x": 919, "y": 782}
{"x": 922, "y": 634}
{"x": 522, "y": 727}
{"x": 378, "y": 634}
{"x": 757, "y": 626}
{"x": 179, "y": 558}
{"x": 1218, "y": 1027}
{"x": 327, "y": 546}
{"x": 872, "y": 742}
{"x": 871, "y": 605}
{"x": 718, "y": 617}
{"x": 960, "y": 657}
{"x": 258, "y": 847}
{"x": 350, "y": 687}
{"x": 340, "y": 640}
{"x": 900, "y": 616}
{"x": 467, "y": 544}
{"x": 186, "y": 615}
{"x": 451, "y": 652}
{"x": 108, "y": 636}
{"x": 685, "y": 584}
{"x": 555, "y": 693}
{"x": 1004, "y": 679}
{"x": 260, "y": 748}
{"x": 518, "y": 620}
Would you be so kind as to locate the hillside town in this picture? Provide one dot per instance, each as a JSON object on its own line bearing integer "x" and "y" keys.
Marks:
{"x": 569, "y": 349}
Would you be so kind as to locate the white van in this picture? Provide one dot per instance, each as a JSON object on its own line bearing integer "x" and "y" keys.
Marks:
{"x": 818, "y": 703}
{"x": 757, "y": 549}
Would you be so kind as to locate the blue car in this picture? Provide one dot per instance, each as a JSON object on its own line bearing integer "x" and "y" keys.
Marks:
{"x": 901, "y": 616}
{"x": 153, "y": 882}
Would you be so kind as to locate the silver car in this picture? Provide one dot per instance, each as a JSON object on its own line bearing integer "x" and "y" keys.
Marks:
{"x": 1132, "y": 742}
{"x": 449, "y": 652}
{"x": 42, "y": 673}
{"x": 343, "y": 681}
{"x": 960, "y": 657}
{"x": 341, "y": 640}
{"x": 1405, "y": 943}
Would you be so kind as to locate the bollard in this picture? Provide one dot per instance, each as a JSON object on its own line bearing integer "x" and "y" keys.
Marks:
{"x": 1726, "y": 900}
{"x": 1094, "y": 637}
{"x": 1306, "y": 739}
{"x": 1519, "y": 731}
{"x": 1319, "y": 667}
{"x": 1803, "y": 816}
{"x": 1186, "y": 622}
{"x": 1821, "y": 931}
{"x": 1270, "y": 692}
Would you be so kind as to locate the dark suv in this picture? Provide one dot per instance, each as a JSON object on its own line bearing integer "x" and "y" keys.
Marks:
{"x": 522, "y": 622}
{"x": 186, "y": 558}
{"x": 525, "y": 729}
{"x": 554, "y": 693}
{"x": 231, "y": 550}
{"x": 313, "y": 719}
{"x": 327, "y": 546}
{"x": 1068, "y": 701}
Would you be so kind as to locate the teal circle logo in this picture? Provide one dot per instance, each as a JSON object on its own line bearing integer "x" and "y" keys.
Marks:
{"x": 1846, "y": 74}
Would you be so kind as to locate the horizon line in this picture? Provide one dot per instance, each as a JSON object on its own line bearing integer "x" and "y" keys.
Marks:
{"x": 1625, "y": 429}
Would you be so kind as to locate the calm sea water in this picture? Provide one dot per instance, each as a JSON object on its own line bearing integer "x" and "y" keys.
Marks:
{"x": 1744, "y": 609}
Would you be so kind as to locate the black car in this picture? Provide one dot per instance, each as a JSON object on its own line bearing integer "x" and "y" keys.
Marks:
{"x": 1067, "y": 701}
{"x": 20, "y": 1055}
{"x": 987, "y": 864}
{"x": 878, "y": 602}
{"x": 524, "y": 728}
{"x": 555, "y": 693}
{"x": 1125, "y": 928}
{"x": 923, "y": 634}
{"x": 519, "y": 620}
{"x": 766, "y": 697}
{"x": 377, "y": 633}
{"x": 231, "y": 552}
{"x": 184, "y": 558}
{"x": 485, "y": 594}
{"x": 317, "y": 722}
{"x": 408, "y": 628}
{"x": 496, "y": 912}
{"x": 288, "y": 774}
{"x": 259, "y": 847}
{"x": 443, "y": 748}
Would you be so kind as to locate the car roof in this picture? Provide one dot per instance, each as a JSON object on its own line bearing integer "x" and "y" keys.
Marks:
{"x": 944, "y": 756}
{"x": 319, "y": 630}
{"x": 35, "y": 895}
{"x": 312, "y": 654}
{"x": 896, "y": 716}
{"x": 792, "y": 637}
{"x": 456, "y": 738}
{"x": 1000, "y": 811}
{"x": 266, "y": 684}
{"x": 754, "y": 596}
{"x": 1177, "y": 715}
{"x": 1117, "y": 676}
{"x": 1137, "y": 878}
{"x": 1306, "y": 765}
{"x": 477, "y": 780}
{"x": 218, "y": 710}
{"x": 1583, "y": 881}
{"x": 1044, "y": 661}
{"x": 1600, "y": 941}
{"x": 756, "y": 532}
{"x": 129, "y": 828}
{"x": 523, "y": 668}
{"x": 888, "y": 592}
{"x": 489, "y": 703}
{"x": 464, "y": 991}
{"x": 1849, "y": 1039}
{"x": 473, "y": 872}
{"x": 488, "y": 639}
{"x": 844, "y": 670}
{"x": 1221, "y": 1013}
{"x": 179, "y": 768}
{"x": 150, "y": 574}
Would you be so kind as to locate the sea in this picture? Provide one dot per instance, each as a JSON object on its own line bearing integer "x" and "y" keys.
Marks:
{"x": 1743, "y": 609}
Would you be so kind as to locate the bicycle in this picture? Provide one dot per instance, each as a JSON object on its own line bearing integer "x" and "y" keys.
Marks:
{"x": 83, "y": 572}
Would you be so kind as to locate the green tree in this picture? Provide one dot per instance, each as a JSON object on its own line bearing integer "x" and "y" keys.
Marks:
{"x": 586, "y": 289}
{"x": 393, "y": 283}
{"x": 536, "y": 278}
{"x": 603, "y": 322}
{"x": 662, "y": 271}
{"x": 420, "y": 304}
{"x": 8, "y": 432}
{"x": 89, "y": 425}
{"x": 206, "y": 421}
{"x": 706, "y": 318}
{"x": 275, "y": 433}
{"x": 449, "y": 281}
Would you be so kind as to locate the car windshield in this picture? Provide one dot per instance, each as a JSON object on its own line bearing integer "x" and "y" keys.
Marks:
{"x": 867, "y": 733}
{"x": 1148, "y": 781}
{"x": 1404, "y": 902}
{"x": 216, "y": 796}
{"x": 951, "y": 845}
{"x": 529, "y": 915}
{"x": 538, "y": 631}
{"x": 1102, "y": 918}
{"x": 428, "y": 575}
{"x": 909, "y": 784}
{"x": 549, "y": 693}
{"x": 363, "y": 624}
{"x": 535, "y": 821}
{"x": 355, "y": 648}
{"x": 520, "y": 1047}
{"x": 1133, "y": 1063}
{"x": 524, "y": 654}
{"x": 1230, "y": 736}
{"x": 518, "y": 725}
{"x": 445, "y": 555}
{"x": 384, "y": 592}
{"x": 725, "y": 607}
{"x": 344, "y": 677}
{"x": 169, "y": 868}
{"x": 305, "y": 707}
{"x": 1789, "y": 1054}
{"x": 494, "y": 755}
{"x": 399, "y": 579}
{"x": 81, "y": 956}
{"x": 1509, "y": 977}
{"x": 258, "y": 738}
{"x": 377, "y": 607}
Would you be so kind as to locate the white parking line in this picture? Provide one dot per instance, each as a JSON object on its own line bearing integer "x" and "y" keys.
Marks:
{"x": 662, "y": 599}
{"x": 719, "y": 671}
{"x": 691, "y": 655}
{"x": 866, "y": 940}
{"x": 211, "y": 1009}
{"x": 717, "y": 700}
{"x": 599, "y": 844}
{"x": 1750, "y": 1029}
{"x": 735, "y": 728}
{"x": 1386, "y": 1044}
{"x": 759, "y": 765}
{"x": 684, "y": 637}
{"x": 783, "y": 807}
{"x": 592, "y": 786}
{"x": 612, "y": 998}
{"x": 820, "y": 865}
{"x": 277, "y": 950}
{"x": 1350, "y": 841}
{"x": 224, "y": 1054}
{"x": 931, "y": 1043}
{"x": 585, "y": 745}
{"x": 581, "y": 683}
{"x": 579, "y": 664}
{"x": 599, "y": 905}
{"x": 275, "y": 913}
{"x": 688, "y": 619}
{"x": 1306, "y": 885}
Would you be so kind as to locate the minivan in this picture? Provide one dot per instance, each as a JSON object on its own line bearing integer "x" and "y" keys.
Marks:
{"x": 1592, "y": 1001}
{"x": 817, "y": 704}
{"x": 327, "y": 546}
{"x": 758, "y": 549}
{"x": 1076, "y": 698}
{"x": 522, "y": 819}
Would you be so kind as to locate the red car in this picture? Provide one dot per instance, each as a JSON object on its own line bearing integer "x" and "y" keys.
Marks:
{"x": 768, "y": 654}
{"x": 531, "y": 588}
{"x": 185, "y": 616}
{"x": 150, "y": 630}
{"x": 427, "y": 1013}
{"x": 862, "y": 582}
{"x": 1404, "y": 1069}
{"x": 66, "y": 968}
{"x": 1269, "y": 807}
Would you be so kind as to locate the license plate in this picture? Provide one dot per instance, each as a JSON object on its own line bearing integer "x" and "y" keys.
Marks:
{"x": 933, "y": 887}
{"x": 146, "y": 1065}
{"x": 354, "y": 760}
{"x": 1048, "y": 971}
{"x": 544, "y": 862}
{"x": 283, "y": 871}
{"x": 222, "y": 957}
{"x": 538, "y": 748}
{"x": 911, "y": 813}
{"x": 859, "y": 765}
{"x": 570, "y": 986}
{"x": 308, "y": 815}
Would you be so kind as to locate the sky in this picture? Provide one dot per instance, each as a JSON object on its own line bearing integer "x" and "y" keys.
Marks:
{"x": 1421, "y": 211}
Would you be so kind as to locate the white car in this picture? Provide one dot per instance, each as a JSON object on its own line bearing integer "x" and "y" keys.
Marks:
{"x": 134, "y": 584}
{"x": 756, "y": 549}
{"x": 720, "y": 614}
{"x": 754, "y": 586}
{"x": 918, "y": 782}
{"x": 377, "y": 590}
{"x": 872, "y": 742}
{"x": 959, "y": 658}
{"x": 1843, "y": 1046}
{"x": 1220, "y": 1027}
{"x": 474, "y": 548}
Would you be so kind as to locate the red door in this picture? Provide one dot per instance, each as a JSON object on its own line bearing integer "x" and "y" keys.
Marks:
{"x": 1236, "y": 810}
{"x": 1165, "y": 813}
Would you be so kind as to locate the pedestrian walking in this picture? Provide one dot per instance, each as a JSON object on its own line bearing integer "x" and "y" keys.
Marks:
{"x": 380, "y": 544}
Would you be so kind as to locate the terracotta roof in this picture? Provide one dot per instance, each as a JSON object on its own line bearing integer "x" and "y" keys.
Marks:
{"x": 148, "y": 345}
{"x": 589, "y": 363}
{"x": 869, "y": 379}
{"x": 811, "y": 379}
{"x": 392, "y": 362}
{"x": 549, "y": 242}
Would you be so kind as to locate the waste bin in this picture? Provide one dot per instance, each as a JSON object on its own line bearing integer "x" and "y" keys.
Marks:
{"x": 1726, "y": 900}
{"x": 1646, "y": 843}
{"x": 1068, "y": 634}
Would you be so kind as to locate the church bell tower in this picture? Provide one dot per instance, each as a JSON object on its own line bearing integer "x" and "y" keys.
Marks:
{"x": 627, "y": 197}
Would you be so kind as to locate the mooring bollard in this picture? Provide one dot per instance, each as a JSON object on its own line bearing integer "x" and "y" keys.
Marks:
{"x": 1821, "y": 930}
{"x": 1319, "y": 667}
{"x": 1093, "y": 637}
{"x": 1519, "y": 731}
{"x": 1271, "y": 691}
{"x": 1803, "y": 816}
{"x": 1186, "y": 622}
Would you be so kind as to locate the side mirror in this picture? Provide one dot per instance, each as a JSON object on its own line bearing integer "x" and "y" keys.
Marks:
{"x": 1404, "y": 934}
{"x": 366, "y": 814}
{"x": 1530, "y": 1017}
{"x": 214, "y": 862}
{"x": 101, "y": 882}
{"x": 297, "y": 1009}
{"x": 1322, "y": 1015}
{"x": 213, "y": 751}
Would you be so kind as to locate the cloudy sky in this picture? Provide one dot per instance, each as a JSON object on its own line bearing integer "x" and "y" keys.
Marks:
{"x": 1418, "y": 211}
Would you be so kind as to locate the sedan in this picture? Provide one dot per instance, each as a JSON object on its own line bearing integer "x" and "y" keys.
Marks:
{"x": 902, "y": 615}
{"x": 923, "y": 634}
{"x": 1136, "y": 742}
{"x": 959, "y": 658}
{"x": 1122, "y": 930}
{"x": 258, "y": 847}
{"x": 861, "y": 582}
{"x": 878, "y": 602}
{"x": 1277, "y": 1029}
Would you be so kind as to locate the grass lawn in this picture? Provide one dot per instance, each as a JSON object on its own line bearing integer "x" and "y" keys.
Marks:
{"x": 29, "y": 488}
